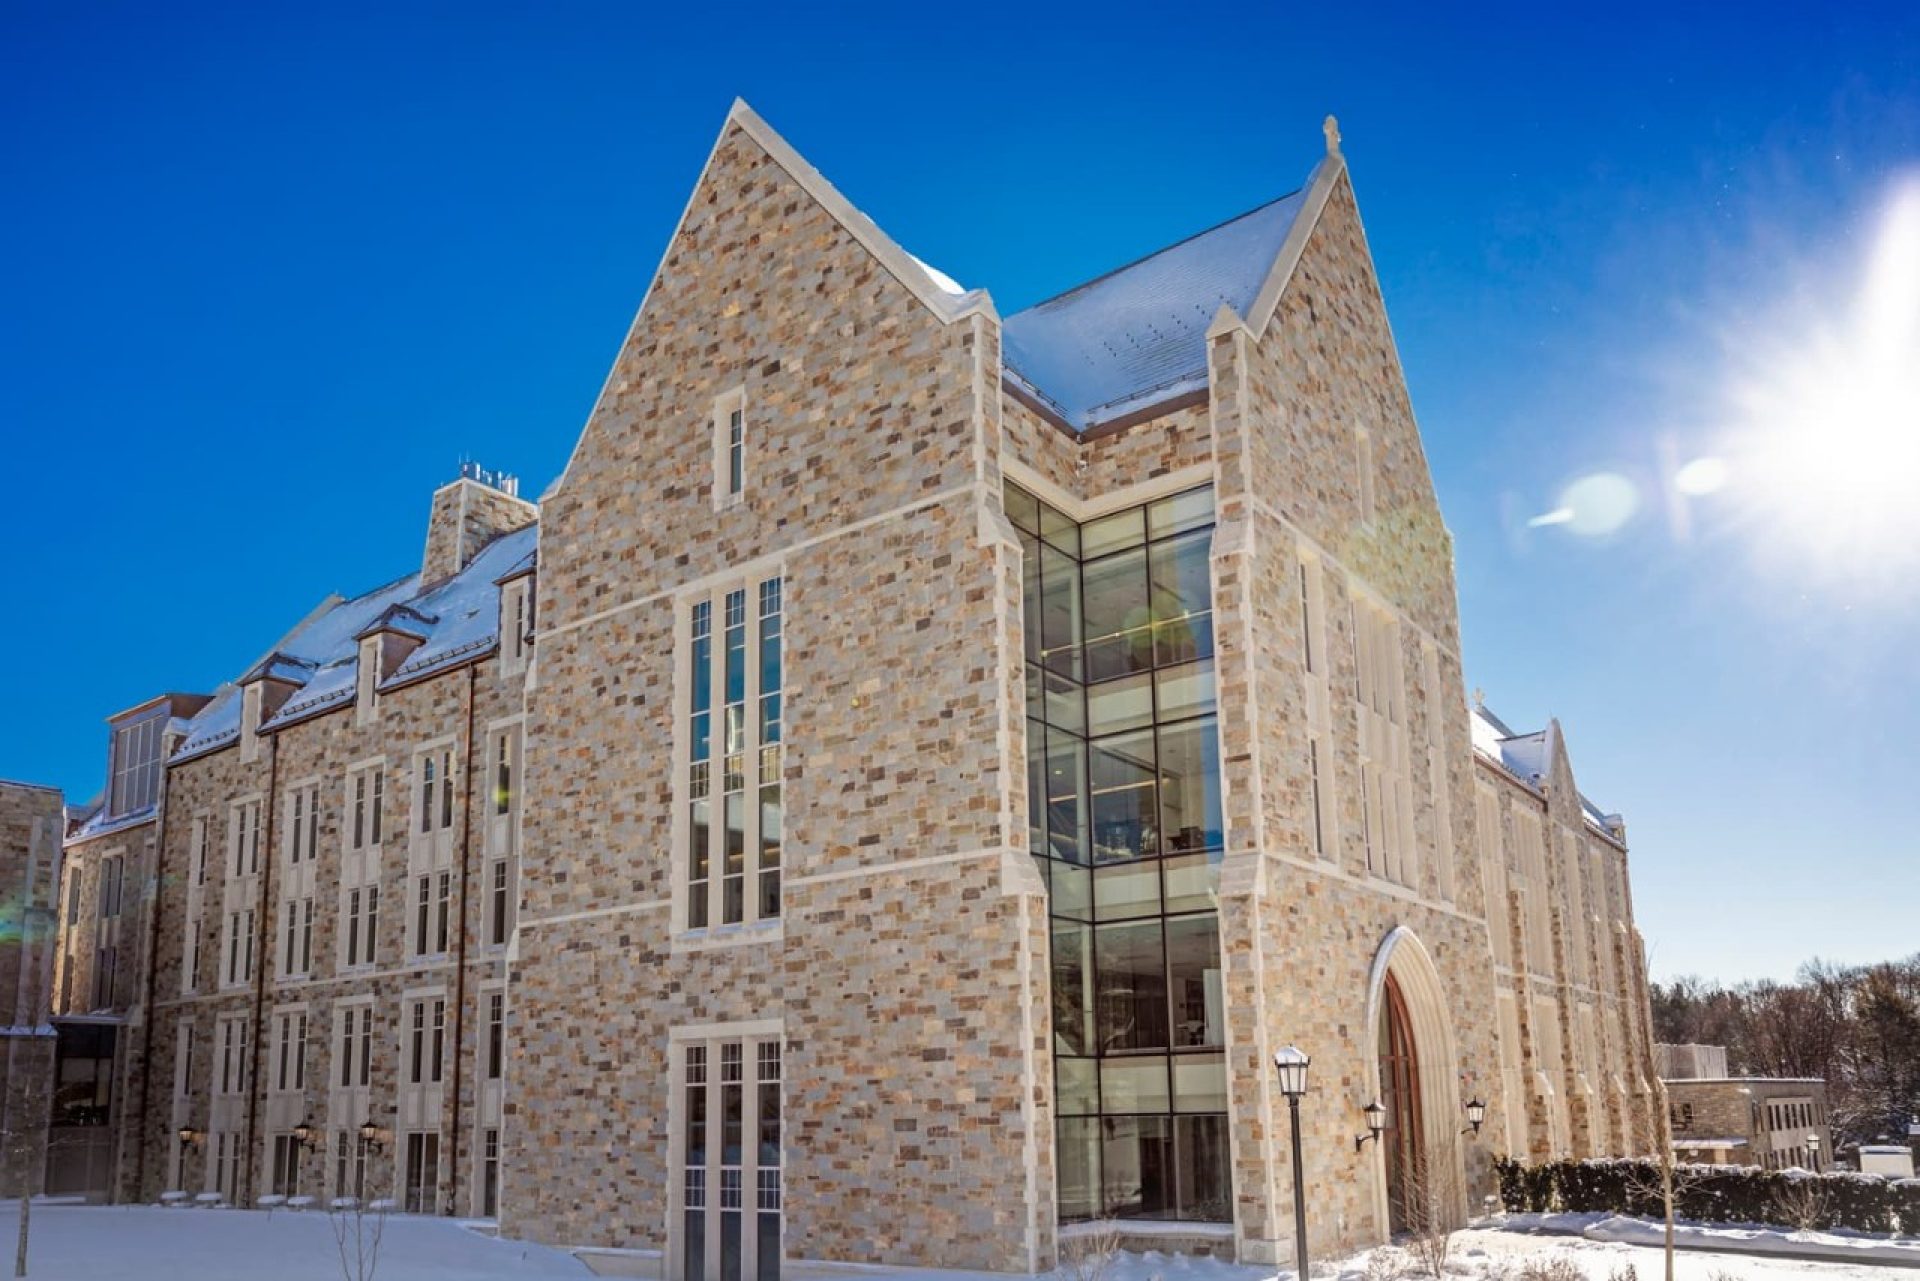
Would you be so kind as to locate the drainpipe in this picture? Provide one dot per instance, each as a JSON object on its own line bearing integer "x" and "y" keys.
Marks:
{"x": 460, "y": 945}
{"x": 263, "y": 934}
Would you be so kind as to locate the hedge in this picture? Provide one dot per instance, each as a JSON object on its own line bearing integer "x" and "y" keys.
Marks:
{"x": 1712, "y": 1193}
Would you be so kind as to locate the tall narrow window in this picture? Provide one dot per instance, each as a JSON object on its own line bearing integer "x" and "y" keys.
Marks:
{"x": 771, "y": 812}
{"x": 729, "y": 1188}
{"x": 503, "y": 774}
{"x": 498, "y": 906}
{"x": 429, "y": 772}
{"x": 1313, "y": 781}
{"x": 1306, "y": 618}
{"x": 745, "y": 841}
{"x": 700, "y": 767}
{"x": 736, "y": 449}
{"x": 733, "y": 863}
{"x": 496, "y": 1034}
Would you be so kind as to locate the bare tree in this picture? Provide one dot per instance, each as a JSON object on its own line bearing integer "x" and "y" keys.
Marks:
{"x": 1430, "y": 1207}
{"x": 357, "y": 1231}
{"x": 1668, "y": 1181}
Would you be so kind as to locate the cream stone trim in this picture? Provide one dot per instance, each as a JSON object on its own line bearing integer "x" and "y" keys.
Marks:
{"x": 776, "y": 558}
{"x": 1372, "y": 884}
{"x": 1404, "y": 955}
{"x": 1085, "y": 509}
{"x": 594, "y": 913}
{"x": 1320, "y": 188}
{"x": 681, "y": 1033}
{"x": 758, "y": 933}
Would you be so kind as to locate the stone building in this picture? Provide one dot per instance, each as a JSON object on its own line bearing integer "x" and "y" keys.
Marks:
{"x": 1776, "y": 1123}
{"x": 954, "y": 754}
{"x": 31, "y": 824}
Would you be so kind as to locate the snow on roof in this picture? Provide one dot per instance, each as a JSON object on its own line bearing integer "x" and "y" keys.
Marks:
{"x": 942, "y": 281}
{"x": 1139, "y": 334}
{"x": 457, "y": 618}
{"x": 98, "y": 823}
{"x": 1521, "y": 755}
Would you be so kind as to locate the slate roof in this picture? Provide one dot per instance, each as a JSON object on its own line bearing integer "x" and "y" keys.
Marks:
{"x": 457, "y": 619}
{"x": 1527, "y": 757}
{"x": 1138, "y": 335}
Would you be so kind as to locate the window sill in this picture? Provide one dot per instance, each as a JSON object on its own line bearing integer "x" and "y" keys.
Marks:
{"x": 709, "y": 937}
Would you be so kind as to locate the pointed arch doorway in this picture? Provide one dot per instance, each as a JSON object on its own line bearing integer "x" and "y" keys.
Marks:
{"x": 1420, "y": 1180}
{"x": 1403, "y": 1141}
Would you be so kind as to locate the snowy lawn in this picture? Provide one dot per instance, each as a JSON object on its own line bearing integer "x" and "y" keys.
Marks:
{"x": 147, "y": 1243}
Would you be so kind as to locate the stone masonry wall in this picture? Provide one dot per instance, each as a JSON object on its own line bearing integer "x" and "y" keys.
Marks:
{"x": 902, "y": 971}
{"x": 321, "y": 750}
{"x": 31, "y": 823}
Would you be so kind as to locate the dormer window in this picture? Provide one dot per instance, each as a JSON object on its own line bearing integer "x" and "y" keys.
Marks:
{"x": 135, "y": 765}
{"x": 366, "y": 679}
{"x": 516, "y": 623}
{"x": 730, "y": 448}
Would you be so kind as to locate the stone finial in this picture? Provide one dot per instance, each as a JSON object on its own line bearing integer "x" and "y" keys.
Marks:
{"x": 1479, "y": 697}
{"x": 1331, "y": 128}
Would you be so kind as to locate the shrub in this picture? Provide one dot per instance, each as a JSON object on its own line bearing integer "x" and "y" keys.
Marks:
{"x": 1714, "y": 1194}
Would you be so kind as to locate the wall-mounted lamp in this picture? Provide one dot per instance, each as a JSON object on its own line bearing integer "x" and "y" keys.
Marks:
{"x": 306, "y": 1136}
{"x": 372, "y": 1135}
{"x": 1376, "y": 1122}
{"x": 1476, "y": 1115}
{"x": 192, "y": 1138}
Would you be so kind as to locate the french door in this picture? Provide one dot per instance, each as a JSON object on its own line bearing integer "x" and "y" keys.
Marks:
{"x": 730, "y": 1192}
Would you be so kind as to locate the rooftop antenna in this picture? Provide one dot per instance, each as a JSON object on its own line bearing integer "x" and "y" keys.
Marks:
{"x": 1331, "y": 128}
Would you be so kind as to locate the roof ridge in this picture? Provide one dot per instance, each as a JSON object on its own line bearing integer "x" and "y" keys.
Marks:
{"x": 1166, "y": 248}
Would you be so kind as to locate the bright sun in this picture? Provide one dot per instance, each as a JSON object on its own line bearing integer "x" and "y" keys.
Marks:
{"x": 1823, "y": 447}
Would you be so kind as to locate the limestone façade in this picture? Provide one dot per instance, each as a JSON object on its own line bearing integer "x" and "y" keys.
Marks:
{"x": 907, "y": 974}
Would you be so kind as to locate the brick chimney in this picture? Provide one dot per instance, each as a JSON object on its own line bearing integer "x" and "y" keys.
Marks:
{"x": 468, "y": 514}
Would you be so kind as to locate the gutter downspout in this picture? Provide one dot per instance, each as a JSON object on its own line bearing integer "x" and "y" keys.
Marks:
{"x": 460, "y": 947}
{"x": 263, "y": 934}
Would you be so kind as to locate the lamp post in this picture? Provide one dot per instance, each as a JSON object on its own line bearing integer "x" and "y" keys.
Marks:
{"x": 1291, "y": 1065}
{"x": 1813, "y": 1152}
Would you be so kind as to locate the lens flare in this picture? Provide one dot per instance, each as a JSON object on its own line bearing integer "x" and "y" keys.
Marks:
{"x": 1824, "y": 441}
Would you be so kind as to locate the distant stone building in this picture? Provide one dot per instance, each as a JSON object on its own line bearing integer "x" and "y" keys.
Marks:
{"x": 1776, "y": 1123}
{"x": 31, "y": 823}
{"x": 950, "y": 756}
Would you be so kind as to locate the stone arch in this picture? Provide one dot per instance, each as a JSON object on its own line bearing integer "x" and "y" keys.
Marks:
{"x": 1404, "y": 957}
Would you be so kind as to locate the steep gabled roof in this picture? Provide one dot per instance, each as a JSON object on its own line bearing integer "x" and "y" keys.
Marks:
{"x": 1529, "y": 759}
{"x": 455, "y": 620}
{"x": 1139, "y": 334}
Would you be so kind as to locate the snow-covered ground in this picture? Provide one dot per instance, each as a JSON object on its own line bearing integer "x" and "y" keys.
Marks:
{"x": 145, "y": 1243}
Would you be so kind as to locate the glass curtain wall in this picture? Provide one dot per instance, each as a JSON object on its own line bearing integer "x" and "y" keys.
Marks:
{"x": 1123, "y": 789}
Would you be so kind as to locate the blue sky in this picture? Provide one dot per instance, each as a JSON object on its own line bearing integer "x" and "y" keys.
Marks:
{"x": 269, "y": 274}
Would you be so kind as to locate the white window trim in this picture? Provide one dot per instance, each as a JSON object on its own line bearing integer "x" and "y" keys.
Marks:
{"x": 713, "y": 590}
{"x": 516, "y": 602}
{"x": 724, "y": 407}
{"x": 750, "y": 1033}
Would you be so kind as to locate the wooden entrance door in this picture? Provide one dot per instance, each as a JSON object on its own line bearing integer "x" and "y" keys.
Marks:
{"x": 1402, "y": 1142}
